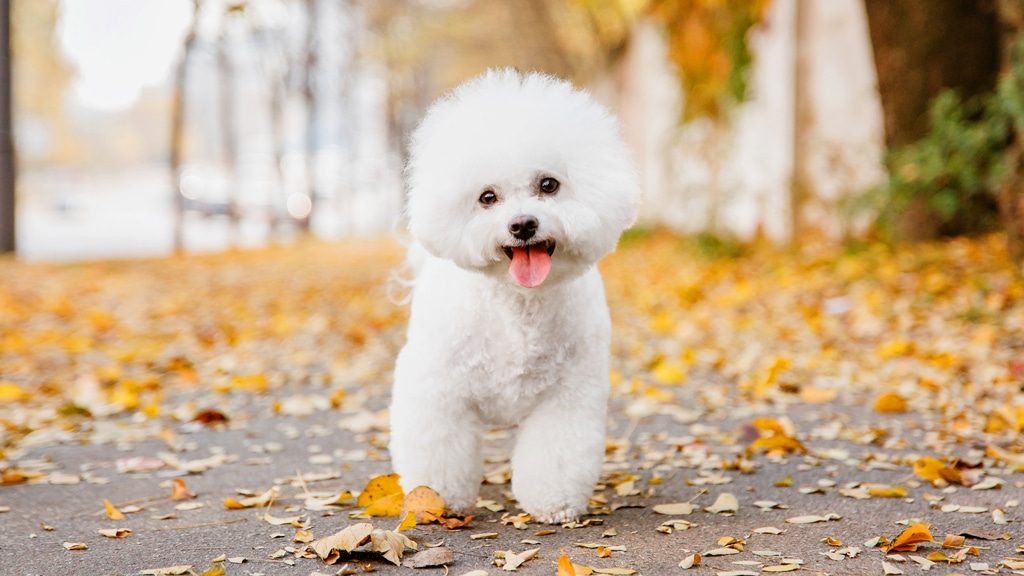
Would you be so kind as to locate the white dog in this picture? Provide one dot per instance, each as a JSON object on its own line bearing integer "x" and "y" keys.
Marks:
{"x": 518, "y": 185}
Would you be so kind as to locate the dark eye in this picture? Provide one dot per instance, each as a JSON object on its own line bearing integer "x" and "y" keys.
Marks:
{"x": 488, "y": 197}
{"x": 549, "y": 185}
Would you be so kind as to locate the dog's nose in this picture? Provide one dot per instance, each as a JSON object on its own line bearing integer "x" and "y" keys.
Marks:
{"x": 523, "y": 227}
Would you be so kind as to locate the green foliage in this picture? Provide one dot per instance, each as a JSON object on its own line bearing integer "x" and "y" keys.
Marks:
{"x": 953, "y": 174}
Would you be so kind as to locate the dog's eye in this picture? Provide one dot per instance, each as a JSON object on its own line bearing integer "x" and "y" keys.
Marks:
{"x": 549, "y": 185}
{"x": 488, "y": 197}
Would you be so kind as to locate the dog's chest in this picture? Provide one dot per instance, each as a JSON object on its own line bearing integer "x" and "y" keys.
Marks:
{"x": 511, "y": 362}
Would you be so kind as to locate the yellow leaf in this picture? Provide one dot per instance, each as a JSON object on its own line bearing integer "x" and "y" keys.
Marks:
{"x": 409, "y": 521}
{"x": 890, "y": 403}
{"x": 885, "y": 491}
{"x": 112, "y": 512}
{"x": 11, "y": 392}
{"x": 669, "y": 373}
{"x": 216, "y": 570}
{"x": 426, "y": 504}
{"x": 565, "y": 567}
{"x": 382, "y": 496}
{"x": 895, "y": 348}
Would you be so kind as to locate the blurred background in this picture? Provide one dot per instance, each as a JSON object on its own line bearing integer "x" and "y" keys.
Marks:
{"x": 145, "y": 127}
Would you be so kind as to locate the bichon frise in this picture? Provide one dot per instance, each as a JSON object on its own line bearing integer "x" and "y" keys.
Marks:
{"x": 518, "y": 185}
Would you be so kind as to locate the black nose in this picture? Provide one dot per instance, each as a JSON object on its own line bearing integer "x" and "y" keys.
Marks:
{"x": 523, "y": 227}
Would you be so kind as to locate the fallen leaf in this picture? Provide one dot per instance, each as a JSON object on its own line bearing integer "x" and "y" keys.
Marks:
{"x": 909, "y": 539}
{"x": 429, "y": 558}
{"x": 168, "y": 571}
{"x": 112, "y": 512}
{"x": 953, "y": 541}
{"x": 812, "y": 518}
{"x": 781, "y": 568}
{"x": 279, "y": 521}
{"x": 691, "y": 561}
{"x": 179, "y": 491}
{"x": 75, "y": 546}
{"x": 565, "y": 567}
{"x": 513, "y": 560}
{"x": 726, "y": 503}
{"x": 114, "y": 532}
{"x": 345, "y": 540}
{"x": 889, "y": 569}
{"x": 890, "y": 403}
{"x": 252, "y": 501}
{"x": 382, "y": 496}
{"x": 392, "y": 544}
{"x": 885, "y": 491}
{"x": 424, "y": 503}
{"x": 674, "y": 509}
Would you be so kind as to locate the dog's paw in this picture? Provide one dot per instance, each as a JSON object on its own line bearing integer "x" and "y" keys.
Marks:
{"x": 558, "y": 516}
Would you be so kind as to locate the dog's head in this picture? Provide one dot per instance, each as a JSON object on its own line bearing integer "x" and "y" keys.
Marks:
{"x": 520, "y": 177}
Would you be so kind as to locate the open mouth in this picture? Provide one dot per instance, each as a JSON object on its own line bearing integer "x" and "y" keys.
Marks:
{"x": 547, "y": 245}
{"x": 530, "y": 263}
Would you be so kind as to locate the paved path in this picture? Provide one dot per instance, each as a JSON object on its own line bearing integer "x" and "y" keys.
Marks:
{"x": 681, "y": 430}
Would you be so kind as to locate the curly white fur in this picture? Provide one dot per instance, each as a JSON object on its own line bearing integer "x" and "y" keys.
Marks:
{"x": 482, "y": 349}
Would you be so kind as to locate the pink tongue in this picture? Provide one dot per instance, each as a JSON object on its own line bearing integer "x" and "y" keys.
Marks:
{"x": 530, "y": 265}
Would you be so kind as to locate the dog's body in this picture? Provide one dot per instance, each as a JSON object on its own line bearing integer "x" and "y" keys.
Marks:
{"x": 518, "y": 185}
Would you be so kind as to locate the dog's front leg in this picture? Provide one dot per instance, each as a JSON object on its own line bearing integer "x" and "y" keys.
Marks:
{"x": 435, "y": 443}
{"x": 559, "y": 452}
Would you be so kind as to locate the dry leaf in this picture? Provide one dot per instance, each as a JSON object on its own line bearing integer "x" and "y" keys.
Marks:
{"x": 345, "y": 540}
{"x": 179, "y": 491}
{"x": 391, "y": 544}
{"x": 726, "y": 503}
{"x": 674, "y": 509}
{"x": 252, "y": 501}
{"x": 691, "y": 561}
{"x": 112, "y": 512}
{"x": 75, "y": 546}
{"x": 514, "y": 561}
{"x": 889, "y": 569}
{"x": 812, "y": 518}
{"x": 168, "y": 571}
{"x": 908, "y": 540}
{"x": 429, "y": 558}
{"x": 114, "y": 532}
{"x": 426, "y": 504}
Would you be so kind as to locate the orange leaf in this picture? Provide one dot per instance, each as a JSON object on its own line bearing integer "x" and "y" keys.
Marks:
{"x": 179, "y": 491}
{"x": 908, "y": 540}
{"x": 890, "y": 403}
{"x": 426, "y": 504}
{"x": 112, "y": 512}
{"x": 565, "y": 567}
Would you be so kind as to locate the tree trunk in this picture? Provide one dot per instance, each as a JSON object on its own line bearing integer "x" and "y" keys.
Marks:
{"x": 178, "y": 117}
{"x": 924, "y": 46}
